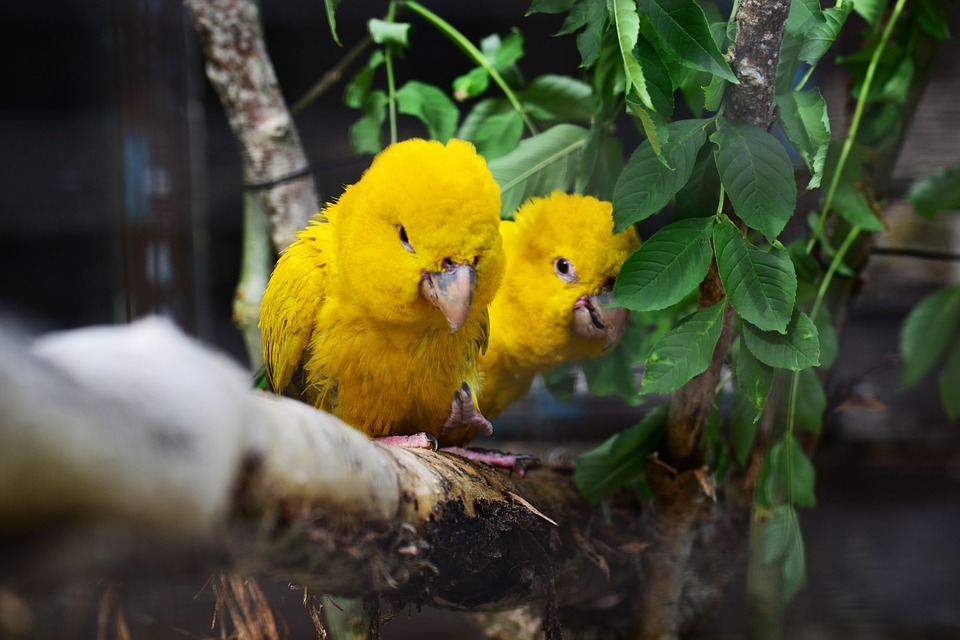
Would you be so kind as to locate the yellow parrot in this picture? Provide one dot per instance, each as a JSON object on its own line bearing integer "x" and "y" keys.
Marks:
{"x": 553, "y": 306}
{"x": 377, "y": 313}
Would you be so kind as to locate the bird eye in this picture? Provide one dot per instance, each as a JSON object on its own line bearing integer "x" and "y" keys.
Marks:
{"x": 565, "y": 270}
{"x": 404, "y": 240}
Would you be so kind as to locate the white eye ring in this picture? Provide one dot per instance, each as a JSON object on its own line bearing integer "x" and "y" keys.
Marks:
{"x": 564, "y": 270}
{"x": 404, "y": 240}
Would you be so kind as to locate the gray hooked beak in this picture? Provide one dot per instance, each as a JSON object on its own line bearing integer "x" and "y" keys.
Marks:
{"x": 451, "y": 290}
{"x": 593, "y": 318}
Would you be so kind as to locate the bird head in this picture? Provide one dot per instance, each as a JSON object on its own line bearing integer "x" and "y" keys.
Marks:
{"x": 417, "y": 236}
{"x": 562, "y": 261}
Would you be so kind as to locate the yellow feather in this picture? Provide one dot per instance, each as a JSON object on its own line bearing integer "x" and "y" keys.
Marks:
{"x": 343, "y": 322}
{"x": 530, "y": 319}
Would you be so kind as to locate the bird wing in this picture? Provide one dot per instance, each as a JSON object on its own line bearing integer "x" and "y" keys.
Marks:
{"x": 291, "y": 304}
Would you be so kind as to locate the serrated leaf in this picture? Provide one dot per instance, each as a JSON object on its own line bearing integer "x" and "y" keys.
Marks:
{"x": 754, "y": 379}
{"x": 646, "y": 185}
{"x": 811, "y": 402}
{"x": 331, "y": 7}
{"x": 387, "y": 32}
{"x": 365, "y": 133}
{"x": 821, "y": 36}
{"x": 626, "y": 23}
{"x": 654, "y": 125}
{"x": 937, "y": 193}
{"x": 590, "y": 16}
{"x": 803, "y": 116}
{"x": 928, "y": 330}
{"x": 684, "y": 352}
{"x": 554, "y": 97}
{"x": 683, "y": 31}
{"x": 538, "y": 166}
{"x": 431, "y": 106}
{"x": 948, "y": 383}
{"x": 657, "y": 77}
{"x": 757, "y": 174}
{"x": 798, "y": 349}
{"x": 666, "y": 267}
{"x": 621, "y": 458}
{"x": 761, "y": 285}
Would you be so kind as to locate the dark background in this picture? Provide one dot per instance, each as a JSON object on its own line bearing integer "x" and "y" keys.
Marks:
{"x": 121, "y": 194}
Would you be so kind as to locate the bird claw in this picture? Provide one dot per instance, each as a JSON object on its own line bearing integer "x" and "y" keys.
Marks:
{"x": 422, "y": 440}
{"x": 464, "y": 413}
{"x": 518, "y": 463}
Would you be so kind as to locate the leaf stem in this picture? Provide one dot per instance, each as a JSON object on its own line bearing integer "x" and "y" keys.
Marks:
{"x": 855, "y": 121}
{"x": 474, "y": 54}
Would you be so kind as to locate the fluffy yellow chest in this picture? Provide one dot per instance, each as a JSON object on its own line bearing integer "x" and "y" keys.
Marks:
{"x": 387, "y": 379}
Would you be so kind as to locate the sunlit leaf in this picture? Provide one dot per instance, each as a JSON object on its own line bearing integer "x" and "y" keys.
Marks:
{"x": 538, "y": 166}
{"x": 929, "y": 329}
{"x": 757, "y": 175}
{"x": 684, "y": 352}
{"x": 798, "y": 349}
{"x": 626, "y": 23}
{"x": 666, "y": 267}
{"x": 386, "y": 32}
{"x": 471, "y": 84}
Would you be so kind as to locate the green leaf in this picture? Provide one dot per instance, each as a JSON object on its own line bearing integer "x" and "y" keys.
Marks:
{"x": 743, "y": 425}
{"x": 798, "y": 349}
{"x": 654, "y": 125}
{"x": 365, "y": 133}
{"x": 391, "y": 33}
{"x": 626, "y": 22}
{"x": 754, "y": 379}
{"x": 684, "y": 352}
{"x": 937, "y": 192}
{"x": 929, "y": 329}
{"x": 949, "y": 383}
{"x": 829, "y": 345}
{"x": 700, "y": 196}
{"x": 802, "y": 475}
{"x": 783, "y": 543}
{"x": 590, "y": 16}
{"x": 471, "y": 84}
{"x": 803, "y": 116}
{"x": 870, "y": 10}
{"x": 331, "y": 6}
{"x": 761, "y": 285}
{"x": 506, "y": 52}
{"x": 480, "y": 113}
{"x": 657, "y": 77}
{"x": 666, "y": 267}
{"x": 621, "y": 458}
{"x": 550, "y": 6}
{"x": 822, "y": 35}
{"x": 600, "y": 165}
{"x": 538, "y": 166}
{"x": 757, "y": 174}
{"x": 356, "y": 92}
{"x": 811, "y": 401}
{"x": 611, "y": 375}
{"x": 684, "y": 32}
{"x": 646, "y": 184}
{"x": 561, "y": 382}
{"x": 931, "y": 19}
{"x": 499, "y": 134}
{"x": 431, "y": 106}
{"x": 560, "y": 98}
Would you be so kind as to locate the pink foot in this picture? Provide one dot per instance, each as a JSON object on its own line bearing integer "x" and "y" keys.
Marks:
{"x": 420, "y": 440}
{"x": 463, "y": 413}
{"x": 516, "y": 462}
